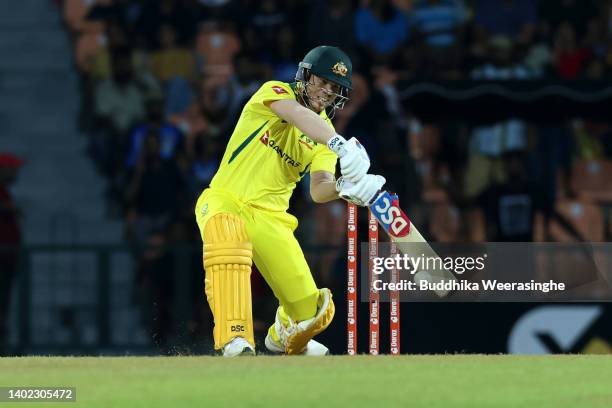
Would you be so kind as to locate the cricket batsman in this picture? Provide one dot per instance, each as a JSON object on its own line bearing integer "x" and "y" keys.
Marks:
{"x": 283, "y": 132}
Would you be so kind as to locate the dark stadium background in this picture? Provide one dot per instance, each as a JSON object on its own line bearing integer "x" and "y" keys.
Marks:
{"x": 455, "y": 101}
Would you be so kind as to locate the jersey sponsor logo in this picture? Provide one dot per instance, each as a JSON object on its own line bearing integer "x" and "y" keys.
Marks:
{"x": 279, "y": 90}
{"x": 265, "y": 138}
{"x": 283, "y": 155}
{"x": 390, "y": 215}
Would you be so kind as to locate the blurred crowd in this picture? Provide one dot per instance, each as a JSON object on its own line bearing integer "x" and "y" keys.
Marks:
{"x": 163, "y": 82}
{"x": 10, "y": 239}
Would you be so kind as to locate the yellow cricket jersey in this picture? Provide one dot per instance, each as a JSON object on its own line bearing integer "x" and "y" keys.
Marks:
{"x": 266, "y": 156}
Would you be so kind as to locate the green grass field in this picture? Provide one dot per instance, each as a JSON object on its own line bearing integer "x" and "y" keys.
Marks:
{"x": 361, "y": 381}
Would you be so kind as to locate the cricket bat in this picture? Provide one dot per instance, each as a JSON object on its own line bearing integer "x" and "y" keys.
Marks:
{"x": 390, "y": 216}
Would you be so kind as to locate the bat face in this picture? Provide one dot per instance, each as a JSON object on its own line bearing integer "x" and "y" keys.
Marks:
{"x": 391, "y": 217}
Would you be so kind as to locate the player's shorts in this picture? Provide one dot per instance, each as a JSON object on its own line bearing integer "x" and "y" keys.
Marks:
{"x": 276, "y": 251}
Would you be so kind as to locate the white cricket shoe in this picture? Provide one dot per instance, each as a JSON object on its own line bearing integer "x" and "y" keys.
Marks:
{"x": 238, "y": 347}
{"x": 313, "y": 348}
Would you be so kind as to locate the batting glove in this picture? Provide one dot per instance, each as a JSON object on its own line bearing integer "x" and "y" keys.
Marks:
{"x": 364, "y": 192}
{"x": 354, "y": 160}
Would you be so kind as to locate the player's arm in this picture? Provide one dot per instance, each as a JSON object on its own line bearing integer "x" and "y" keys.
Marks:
{"x": 323, "y": 187}
{"x": 304, "y": 119}
{"x": 354, "y": 161}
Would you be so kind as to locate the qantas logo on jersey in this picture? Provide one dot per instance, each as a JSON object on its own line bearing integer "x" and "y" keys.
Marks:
{"x": 279, "y": 90}
{"x": 284, "y": 156}
{"x": 265, "y": 139}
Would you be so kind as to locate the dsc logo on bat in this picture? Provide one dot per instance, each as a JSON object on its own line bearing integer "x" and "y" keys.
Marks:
{"x": 386, "y": 209}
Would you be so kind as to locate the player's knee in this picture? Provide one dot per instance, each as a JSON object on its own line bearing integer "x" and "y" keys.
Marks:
{"x": 226, "y": 242}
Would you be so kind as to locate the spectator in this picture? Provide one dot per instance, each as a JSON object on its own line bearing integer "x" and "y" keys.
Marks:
{"x": 215, "y": 102}
{"x": 115, "y": 41}
{"x": 123, "y": 12}
{"x": 75, "y": 13}
{"x": 515, "y": 19}
{"x": 119, "y": 101}
{"x": 191, "y": 122}
{"x": 380, "y": 28}
{"x": 569, "y": 58}
{"x": 596, "y": 42}
{"x": 285, "y": 60}
{"x": 489, "y": 143}
{"x": 539, "y": 55}
{"x": 329, "y": 231}
{"x": 331, "y": 21}
{"x": 218, "y": 104}
{"x": 354, "y": 107}
{"x": 183, "y": 16}
{"x": 595, "y": 70}
{"x": 155, "y": 197}
{"x": 596, "y": 39}
{"x": 553, "y": 157}
{"x": 217, "y": 9}
{"x": 264, "y": 24}
{"x": 438, "y": 25}
{"x": 487, "y": 146}
{"x": 246, "y": 80}
{"x": 437, "y": 22}
{"x": 509, "y": 207}
{"x": 10, "y": 240}
{"x": 217, "y": 44}
{"x": 93, "y": 58}
{"x": 155, "y": 188}
{"x": 204, "y": 164}
{"x": 170, "y": 60}
{"x": 502, "y": 62}
{"x": 179, "y": 96}
{"x": 606, "y": 141}
{"x": 591, "y": 139}
{"x": 118, "y": 105}
{"x": 170, "y": 138}
{"x": 576, "y": 12}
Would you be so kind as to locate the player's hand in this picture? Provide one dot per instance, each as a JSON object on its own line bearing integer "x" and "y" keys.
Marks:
{"x": 354, "y": 160}
{"x": 364, "y": 192}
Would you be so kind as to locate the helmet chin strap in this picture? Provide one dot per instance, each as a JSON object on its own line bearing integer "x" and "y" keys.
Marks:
{"x": 303, "y": 93}
{"x": 303, "y": 87}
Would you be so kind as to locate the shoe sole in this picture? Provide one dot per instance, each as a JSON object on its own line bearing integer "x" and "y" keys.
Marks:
{"x": 272, "y": 348}
{"x": 246, "y": 352}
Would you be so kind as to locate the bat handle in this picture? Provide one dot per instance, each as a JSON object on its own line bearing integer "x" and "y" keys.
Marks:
{"x": 375, "y": 198}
